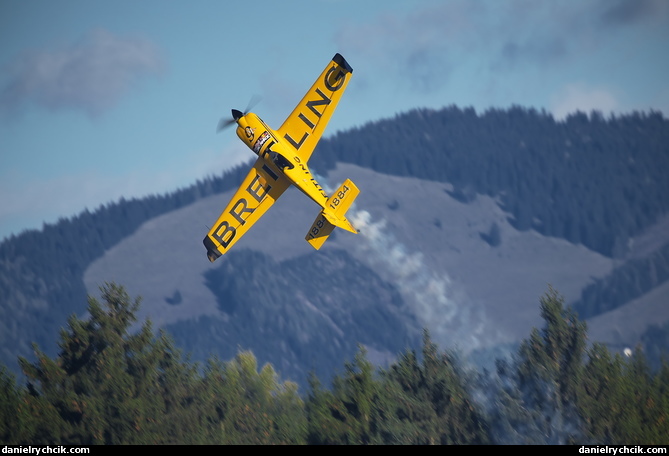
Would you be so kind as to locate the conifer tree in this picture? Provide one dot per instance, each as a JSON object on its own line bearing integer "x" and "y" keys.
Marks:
{"x": 349, "y": 414}
{"x": 250, "y": 406}
{"x": 622, "y": 402}
{"x": 412, "y": 419}
{"x": 539, "y": 390}
{"x": 180, "y": 386}
{"x": 433, "y": 404}
{"x": 105, "y": 385}
{"x": 644, "y": 403}
{"x": 601, "y": 396}
{"x": 323, "y": 418}
{"x": 14, "y": 421}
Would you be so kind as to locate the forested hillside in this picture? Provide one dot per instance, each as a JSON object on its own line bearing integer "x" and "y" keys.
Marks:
{"x": 111, "y": 385}
{"x": 313, "y": 320}
{"x": 41, "y": 272}
{"x": 591, "y": 180}
{"x": 627, "y": 282}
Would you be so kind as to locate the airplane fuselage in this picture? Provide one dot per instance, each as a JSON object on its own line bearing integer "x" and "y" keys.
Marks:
{"x": 282, "y": 161}
{"x": 265, "y": 142}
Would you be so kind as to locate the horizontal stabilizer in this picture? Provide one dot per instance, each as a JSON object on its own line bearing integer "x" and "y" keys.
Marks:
{"x": 319, "y": 231}
{"x": 333, "y": 214}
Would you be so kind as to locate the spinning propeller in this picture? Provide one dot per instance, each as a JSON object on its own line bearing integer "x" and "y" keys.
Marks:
{"x": 237, "y": 114}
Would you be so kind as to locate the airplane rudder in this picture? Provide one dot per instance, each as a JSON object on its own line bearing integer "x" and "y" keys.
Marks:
{"x": 343, "y": 197}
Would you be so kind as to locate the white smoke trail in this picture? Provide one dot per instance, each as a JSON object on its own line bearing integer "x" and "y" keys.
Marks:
{"x": 431, "y": 294}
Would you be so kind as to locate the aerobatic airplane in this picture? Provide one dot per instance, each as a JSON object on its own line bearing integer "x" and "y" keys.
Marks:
{"x": 282, "y": 160}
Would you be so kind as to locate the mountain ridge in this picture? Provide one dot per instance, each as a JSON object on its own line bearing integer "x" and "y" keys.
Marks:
{"x": 468, "y": 293}
{"x": 588, "y": 186}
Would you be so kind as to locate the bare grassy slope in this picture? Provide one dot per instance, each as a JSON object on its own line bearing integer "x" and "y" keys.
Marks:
{"x": 413, "y": 233}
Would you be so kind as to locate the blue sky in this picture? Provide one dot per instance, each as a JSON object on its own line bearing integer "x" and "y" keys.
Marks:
{"x": 100, "y": 100}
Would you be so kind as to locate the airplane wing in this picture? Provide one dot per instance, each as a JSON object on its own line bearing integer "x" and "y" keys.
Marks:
{"x": 263, "y": 185}
{"x": 305, "y": 125}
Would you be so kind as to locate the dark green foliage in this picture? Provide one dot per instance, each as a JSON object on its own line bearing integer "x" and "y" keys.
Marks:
{"x": 247, "y": 406}
{"x": 600, "y": 399}
{"x": 410, "y": 403}
{"x": 557, "y": 350}
{"x": 431, "y": 403}
{"x": 320, "y": 306}
{"x": 538, "y": 390}
{"x": 588, "y": 179}
{"x": 351, "y": 414}
{"x": 623, "y": 401}
{"x": 14, "y": 419}
{"x": 107, "y": 385}
{"x": 41, "y": 272}
{"x": 551, "y": 393}
{"x": 110, "y": 384}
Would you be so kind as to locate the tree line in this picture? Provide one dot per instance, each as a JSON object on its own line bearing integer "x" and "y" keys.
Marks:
{"x": 588, "y": 179}
{"x": 111, "y": 385}
{"x": 41, "y": 271}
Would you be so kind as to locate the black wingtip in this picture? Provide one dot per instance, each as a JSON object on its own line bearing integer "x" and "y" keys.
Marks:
{"x": 341, "y": 61}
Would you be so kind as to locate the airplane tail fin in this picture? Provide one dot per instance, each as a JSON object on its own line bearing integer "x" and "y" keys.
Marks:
{"x": 333, "y": 214}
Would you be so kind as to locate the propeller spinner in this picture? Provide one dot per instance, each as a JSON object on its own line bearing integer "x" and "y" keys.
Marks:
{"x": 237, "y": 114}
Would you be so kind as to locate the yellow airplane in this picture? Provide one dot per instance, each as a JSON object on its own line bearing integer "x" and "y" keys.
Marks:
{"x": 282, "y": 160}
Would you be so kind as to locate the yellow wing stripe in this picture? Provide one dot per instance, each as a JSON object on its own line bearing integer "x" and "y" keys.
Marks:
{"x": 305, "y": 125}
{"x": 263, "y": 185}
